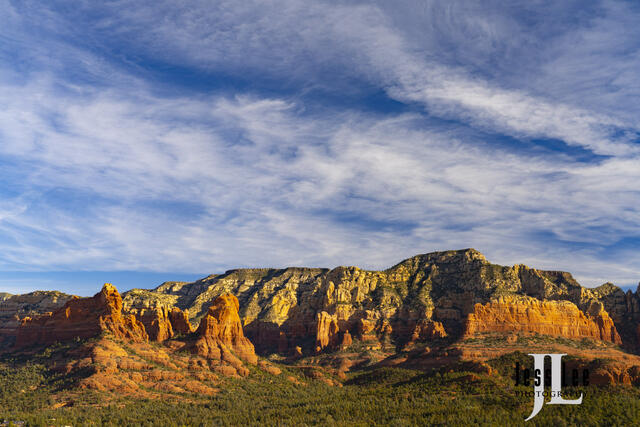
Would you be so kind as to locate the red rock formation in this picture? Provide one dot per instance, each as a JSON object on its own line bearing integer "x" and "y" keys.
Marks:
{"x": 605, "y": 324}
{"x": 157, "y": 323}
{"x": 180, "y": 321}
{"x": 366, "y": 329}
{"x": 557, "y": 318}
{"x": 297, "y": 353}
{"x": 82, "y": 318}
{"x": 428, "y": 330}
{"x": 346, "y": 340}
{"x": 267, "y": 335}
{"x": 220, "y": 333}
{"x": 15, "y": 307}
{"x": 162, "y": 323}
{"x": 326, "y": 331}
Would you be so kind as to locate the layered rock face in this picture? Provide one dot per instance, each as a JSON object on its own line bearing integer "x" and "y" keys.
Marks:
{"x": 163, "y": 323}
{"x": 81, "y": 318}
{"x": 220, "y": 334}
{"x": 161, "y": 319}
{"x": 15, "y": 307}
{"x": 556, "y": 318}
{"x": 624, "y": 309}
{"x": 422, "y": 299}
{"x": 218, "y": 345}
{"x": 157, "y": 323}
{"x": 31, "y": 304}
{"x": 180, "y": 321}
{"x": 327, "y": 331}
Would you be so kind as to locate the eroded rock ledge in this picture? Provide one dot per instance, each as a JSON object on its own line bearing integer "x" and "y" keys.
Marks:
{"x": 82, "y": 318}
{"x": 555, "y": 318}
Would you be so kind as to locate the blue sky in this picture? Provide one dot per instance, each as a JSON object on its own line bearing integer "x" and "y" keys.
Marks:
{"x": 167, "y": 140}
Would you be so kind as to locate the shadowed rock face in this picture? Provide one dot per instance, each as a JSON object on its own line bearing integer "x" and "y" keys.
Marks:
{"x": 163, "y": 323}
{"x": 81, "y": 318}
{"x": 157, "y": 324}
{"x": 624, "y": 309}
{"x": 161, "y": 319}
{"x": 180, "y": 321}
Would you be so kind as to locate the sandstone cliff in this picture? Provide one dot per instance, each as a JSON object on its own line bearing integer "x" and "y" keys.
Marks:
{"x": 180, "y": 321}
{"x": 81, "y": 318}
{"x": 159, "y": 315}
{"x": 425, "y": 298}
{"x": 557, "y": 318}
{"x": 15, "y": 307}
{"x": 220, "y": 334}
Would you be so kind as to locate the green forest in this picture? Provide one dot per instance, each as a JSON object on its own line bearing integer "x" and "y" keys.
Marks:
{"x": 382, "y": 396}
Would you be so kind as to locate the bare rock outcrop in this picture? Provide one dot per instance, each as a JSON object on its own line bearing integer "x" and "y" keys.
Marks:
{"x": 421, "y": 299}
{"x": 157, "y": 323}
{"x": 15, "y": 307}
{"x": 346, "y": 341}
{"x": 82, "y": 318}
{"x": 220, "y": 334}
{"x": 160, "y": 317}
{"x": 180, "y": 321}
{"x": 326, "y": 331}
{"x": 556, "y": 318}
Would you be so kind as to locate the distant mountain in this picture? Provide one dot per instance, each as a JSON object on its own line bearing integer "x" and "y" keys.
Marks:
{"x": 435, "y": 295}
{"x": 424, "y": 297}
{"x": 15, "y": 307}
{"x": 430, "y": 311}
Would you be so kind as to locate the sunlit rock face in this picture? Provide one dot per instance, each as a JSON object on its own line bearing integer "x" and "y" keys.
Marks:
{"x": 159, "y": 315}
{"x": 15, "y": 307}
{"x": 81, "y": 318}
{"x": 422, "y": 299}
{"x": 555, "y": 318}
{"x": 220, "y": 334}
{"x": 180, "y": 321}
{"x": 305, "y": 311}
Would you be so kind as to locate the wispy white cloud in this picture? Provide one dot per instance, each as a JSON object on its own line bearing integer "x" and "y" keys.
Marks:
{"x": 294, "y": 40}
{"x": 422, "y": 190}
{"x": 127, "y": 175}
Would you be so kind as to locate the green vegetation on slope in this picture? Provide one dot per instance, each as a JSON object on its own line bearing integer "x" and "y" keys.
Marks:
{"x": 386, "y": 396}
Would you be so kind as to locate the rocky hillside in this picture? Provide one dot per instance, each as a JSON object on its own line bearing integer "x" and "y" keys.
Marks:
{"x": 16, "y": 307}
{"x": 435, "y": 296}
{"x": 81, "y": 318}
{"x": 429, "y": 311}
{"x": 112, "y": 351}
{"x": 440, "y": 297}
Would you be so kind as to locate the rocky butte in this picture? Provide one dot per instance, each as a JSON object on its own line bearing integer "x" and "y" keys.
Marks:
{"x": 109, "y": 341}
{"x": 220, "y": 334}
{"x": 428, "y": 297}
{"x": 81, "y": 318}
{"x": 430, "y": 307}
{"x": 15, "y": 307}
